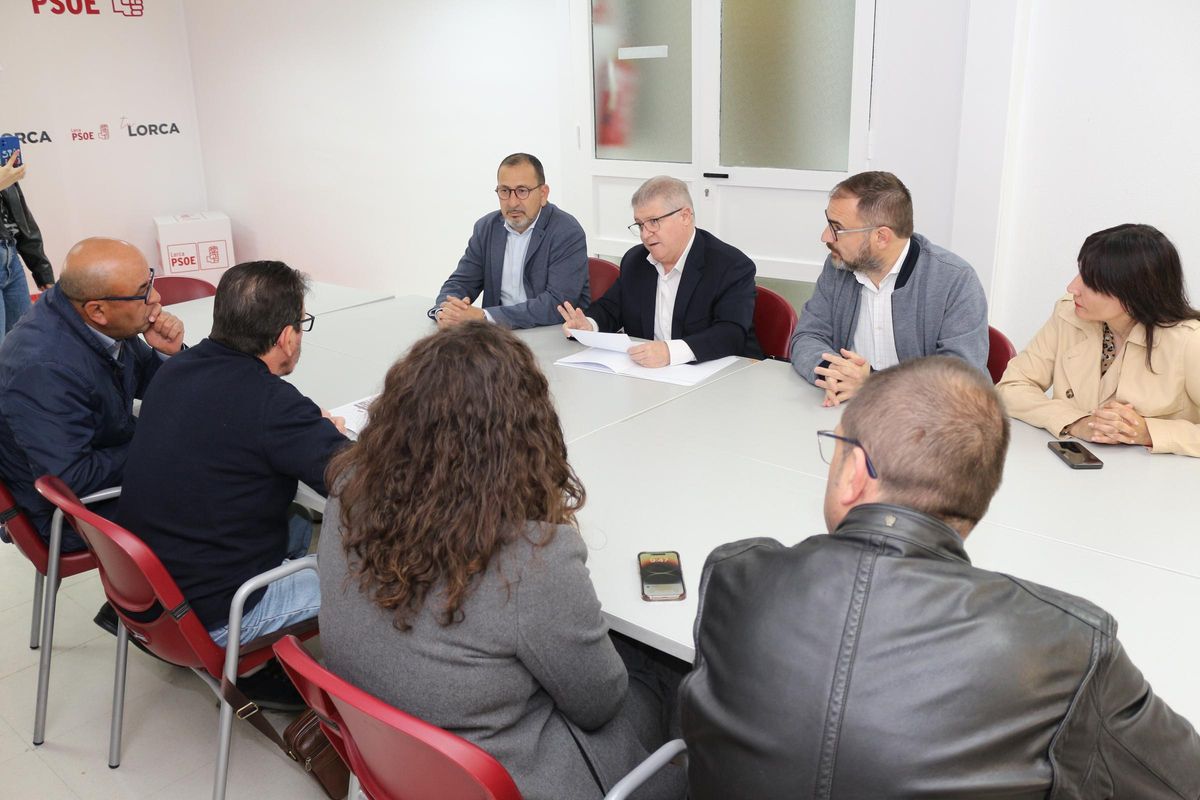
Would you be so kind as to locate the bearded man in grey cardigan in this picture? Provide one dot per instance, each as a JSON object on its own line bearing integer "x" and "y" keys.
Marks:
{"x": 885, "y": 294}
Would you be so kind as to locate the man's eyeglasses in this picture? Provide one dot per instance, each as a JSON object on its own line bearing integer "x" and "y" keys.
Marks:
{"x": 145, "y": 297}
{"x": 305, "y": 323}
{"x": 522, "y": 192}
{"x": 836, "y": 231}
{"x": 651, "y": 224}
{"x": 827, "y": 443}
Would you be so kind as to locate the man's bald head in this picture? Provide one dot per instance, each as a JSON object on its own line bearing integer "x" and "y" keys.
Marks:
{"x": 110, "y": 268}
{"x": 100, "y": 267}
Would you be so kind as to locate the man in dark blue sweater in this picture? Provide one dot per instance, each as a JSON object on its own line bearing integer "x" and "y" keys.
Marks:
{"x": 220, "y": 445}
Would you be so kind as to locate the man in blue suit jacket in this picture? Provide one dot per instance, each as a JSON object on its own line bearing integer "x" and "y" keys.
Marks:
{"x": 527, "y": 258}
{"x": 681, "y": 287}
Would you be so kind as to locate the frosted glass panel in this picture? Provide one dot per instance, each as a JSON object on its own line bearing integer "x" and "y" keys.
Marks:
{"x": 642, "y": 60}
{"x": 785, "y": 83}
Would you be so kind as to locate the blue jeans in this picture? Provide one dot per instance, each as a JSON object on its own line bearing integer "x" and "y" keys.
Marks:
{"x": 286, "y": 602}
{"x": 13, "y": 287}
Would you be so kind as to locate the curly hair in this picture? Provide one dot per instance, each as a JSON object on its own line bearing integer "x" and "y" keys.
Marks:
{"x": 462, "y": 450}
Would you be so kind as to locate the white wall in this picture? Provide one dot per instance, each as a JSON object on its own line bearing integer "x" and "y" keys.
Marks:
{"x": 1106, "y": 133}
{"x": 64, "y": 72}
{"x": 359, "y": 142}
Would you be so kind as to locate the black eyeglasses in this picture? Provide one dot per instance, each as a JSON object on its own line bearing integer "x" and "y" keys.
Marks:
{"x": 836, "y": 232}
{"x": 826, "y": 443}
{"x": 305, "y": 323}
{"x": 522, "y": 192}
{"x": 652, "y": 224}
{"x": 145, "y": 297}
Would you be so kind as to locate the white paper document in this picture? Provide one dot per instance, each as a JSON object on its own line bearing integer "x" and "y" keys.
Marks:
{"x": 621, "y": 364}
{"x": 355, "y": 415}
{"x": 617, "y": 342}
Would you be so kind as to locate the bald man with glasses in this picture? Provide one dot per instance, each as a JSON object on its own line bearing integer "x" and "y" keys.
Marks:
{"x": 526, "y": 259}
{"x": 885, "y": 294}
{"x": 69, "y": 373}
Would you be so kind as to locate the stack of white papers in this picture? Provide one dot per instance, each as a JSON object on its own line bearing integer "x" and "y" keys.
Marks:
{"x": 355, "y": 415}
{"x": 606, "y": 352}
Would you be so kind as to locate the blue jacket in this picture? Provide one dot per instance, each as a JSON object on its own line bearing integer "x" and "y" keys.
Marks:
{"x": 66, "y": 406}
{"x": 556, "y": 269}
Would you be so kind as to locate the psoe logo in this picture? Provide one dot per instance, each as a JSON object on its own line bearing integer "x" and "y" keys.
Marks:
{"x": 30, "y": 137}
{"x": 153, "y": 129}
{"x": 79, "y": 8}
{"x": 81, "y": 135}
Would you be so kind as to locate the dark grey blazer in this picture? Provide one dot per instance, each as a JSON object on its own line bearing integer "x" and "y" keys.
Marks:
{"x": 529, "y": 674}
{"x": 556, "y": 269}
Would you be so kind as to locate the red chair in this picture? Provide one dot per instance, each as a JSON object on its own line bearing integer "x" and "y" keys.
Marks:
{"x": 178, "y": 289}
{"x": 1000, "y": 352}
{"x": 774, "y": 322}
{"x": 49, "y": 569}
{"x": 395, "y": 756}
{"x": 601, "y": 276}
{"x": 392, "y": 754}
{"x": 150, "y": 605}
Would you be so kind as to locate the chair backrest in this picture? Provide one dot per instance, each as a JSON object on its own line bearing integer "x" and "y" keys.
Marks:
{"x": 178, "y": 289}
{"x": 33, "y": 546}
{"x": 601, "y": 276}
{"x": 138, "y": 586}
{"x": 1000, "y": 352}
{"x": 393, "y": 754}
{"x": 774, "y": 322}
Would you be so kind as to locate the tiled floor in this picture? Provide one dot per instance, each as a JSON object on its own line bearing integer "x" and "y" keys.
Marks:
{"x": 170, "y": 739}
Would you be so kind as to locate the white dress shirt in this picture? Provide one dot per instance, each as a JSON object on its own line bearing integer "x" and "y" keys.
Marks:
{"x": 512, "y": 277}
{"x": 874, "y": 339}
{"x": 664, "y": 307}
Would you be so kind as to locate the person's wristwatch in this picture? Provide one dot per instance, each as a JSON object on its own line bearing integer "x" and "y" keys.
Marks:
{"x": 433, "y": 313}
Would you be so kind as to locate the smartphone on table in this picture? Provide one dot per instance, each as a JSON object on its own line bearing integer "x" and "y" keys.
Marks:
{"x": 1075, "y": 455}
{"x": 662, "y": 576}
{"x": 8, "y": 146}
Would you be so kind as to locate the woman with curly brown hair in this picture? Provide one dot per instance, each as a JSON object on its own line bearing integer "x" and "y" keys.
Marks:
{"x": 453, "y": 577}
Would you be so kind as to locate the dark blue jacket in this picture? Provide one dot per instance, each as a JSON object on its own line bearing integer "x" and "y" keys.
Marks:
{"x": 66, "y": 406}
{"x": 212, "y": 471}
{"x": 714, "y": 308}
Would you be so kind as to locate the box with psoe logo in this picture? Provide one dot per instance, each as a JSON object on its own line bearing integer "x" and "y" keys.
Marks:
{"x": 198, "y": 244}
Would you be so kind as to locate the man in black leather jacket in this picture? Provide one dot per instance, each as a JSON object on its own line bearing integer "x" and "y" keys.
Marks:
{"x": 877, "y": 662}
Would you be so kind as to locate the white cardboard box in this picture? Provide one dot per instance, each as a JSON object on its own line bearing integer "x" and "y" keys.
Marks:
{"x": 199, "y": 245}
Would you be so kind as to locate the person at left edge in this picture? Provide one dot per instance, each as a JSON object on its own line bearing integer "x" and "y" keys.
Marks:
{"x": 69, "y": 374}
{"x": 527, "y": 258}
{"x": 19, "y": 235}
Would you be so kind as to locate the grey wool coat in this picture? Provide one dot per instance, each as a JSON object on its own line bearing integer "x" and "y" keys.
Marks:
{"x": 529, "y": 674}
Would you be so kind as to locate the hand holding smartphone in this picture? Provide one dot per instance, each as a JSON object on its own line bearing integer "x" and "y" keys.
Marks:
{"x": 8, "y": 146}
{"x": 1075, "y": 455}
{"x": 662, "y": 576}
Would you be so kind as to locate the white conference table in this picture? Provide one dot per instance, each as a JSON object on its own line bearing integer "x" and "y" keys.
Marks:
{"x": 689, "y": 468}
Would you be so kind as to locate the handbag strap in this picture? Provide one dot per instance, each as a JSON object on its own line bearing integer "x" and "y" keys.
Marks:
{"x": 247, "y": 709}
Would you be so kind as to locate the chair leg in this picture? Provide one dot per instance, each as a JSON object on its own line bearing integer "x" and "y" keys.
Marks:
{"x": 35, "y": 627}
{"x": 224, "y": 739}
{"x": 118, "y": 708}
{"x": 51, "y": 596}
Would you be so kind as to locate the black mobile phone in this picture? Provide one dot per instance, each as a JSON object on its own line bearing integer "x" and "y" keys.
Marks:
{"x": 1075, "y": 455}
{"x": 662, "y": 576}
{"x": 9, "y": 145}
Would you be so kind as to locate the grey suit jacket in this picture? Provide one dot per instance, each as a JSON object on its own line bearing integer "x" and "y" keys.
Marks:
{"x": 556, "y": 269}
{"x": 938, "y": 308}
{"x": 529, "y": 673}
